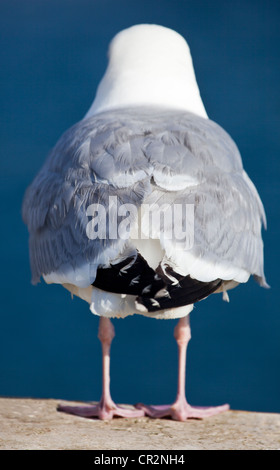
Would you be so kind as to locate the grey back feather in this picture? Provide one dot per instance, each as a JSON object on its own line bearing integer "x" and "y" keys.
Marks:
{"x": 131, "y": 153}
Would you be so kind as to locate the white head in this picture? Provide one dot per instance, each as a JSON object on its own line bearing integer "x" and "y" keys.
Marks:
{"x": 148, "y": 65}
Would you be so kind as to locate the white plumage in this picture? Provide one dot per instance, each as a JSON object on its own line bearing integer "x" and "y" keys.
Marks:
{"x": 148, "y": 65}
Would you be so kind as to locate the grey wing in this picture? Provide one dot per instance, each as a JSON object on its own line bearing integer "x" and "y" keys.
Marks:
{"x": 225, "y": 214}
{"x": 82, "y": 170}
{"x": 222, "y": 227}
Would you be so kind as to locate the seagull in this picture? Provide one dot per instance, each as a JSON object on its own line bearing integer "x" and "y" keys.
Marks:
{"x": 143, "y": 206}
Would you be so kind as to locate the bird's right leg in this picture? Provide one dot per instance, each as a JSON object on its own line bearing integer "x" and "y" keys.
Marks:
{"x": 180, "y": 410}
{"x": 106, "y": 408}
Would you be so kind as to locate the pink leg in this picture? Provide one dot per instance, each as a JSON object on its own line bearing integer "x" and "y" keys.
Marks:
{"x": 180, "y": 409}
{"x": 106, "y": 408}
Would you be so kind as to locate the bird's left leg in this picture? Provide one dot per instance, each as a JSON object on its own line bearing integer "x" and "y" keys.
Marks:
{"x": 106, "y": 408}
{"x": 180, "y": 409}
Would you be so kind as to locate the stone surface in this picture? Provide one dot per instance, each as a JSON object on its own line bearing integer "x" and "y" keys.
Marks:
{"x": 35, "y": 424}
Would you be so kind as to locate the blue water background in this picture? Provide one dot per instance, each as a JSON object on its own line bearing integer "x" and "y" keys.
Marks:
{"x": 52, "y": 55}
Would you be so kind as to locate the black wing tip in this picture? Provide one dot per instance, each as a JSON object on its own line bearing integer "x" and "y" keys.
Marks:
{"x": 159, "y": 289}
{"x": 186, "y": 292}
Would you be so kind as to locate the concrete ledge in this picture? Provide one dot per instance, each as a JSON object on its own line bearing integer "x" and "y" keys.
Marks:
{"x": 35, "y": 424}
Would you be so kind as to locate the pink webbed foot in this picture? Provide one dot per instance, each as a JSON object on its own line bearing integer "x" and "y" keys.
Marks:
{"x": 102, "y": 411}
{"x": 181, "y": 410}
